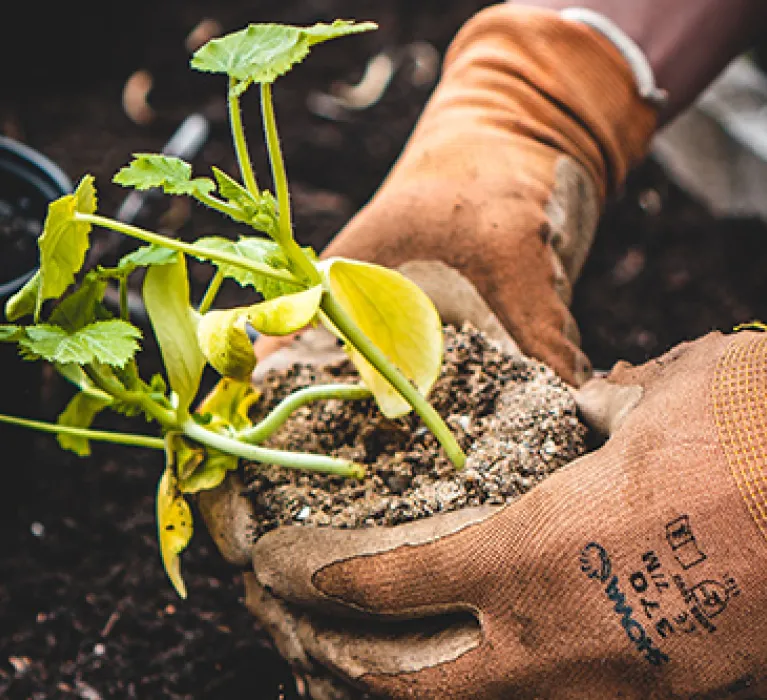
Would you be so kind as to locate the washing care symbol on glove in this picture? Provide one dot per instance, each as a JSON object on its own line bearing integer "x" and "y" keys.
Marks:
{"x": 595, "y": 563}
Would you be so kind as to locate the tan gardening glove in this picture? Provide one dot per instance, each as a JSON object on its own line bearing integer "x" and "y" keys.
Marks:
{"x": 534, "y": 122}
{"x": 638, "y": 571}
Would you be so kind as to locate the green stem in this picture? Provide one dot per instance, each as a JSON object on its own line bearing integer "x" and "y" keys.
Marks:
{"x": 240, "y": 145}
{"x": 174, "y": 244}
{"x": 167, "y": 419}
{"x": 210, "y": 292}
{"x": 87, "y": 433}
{"x": 279, "y": 175}
{"x": 281, "y": 458}
{"x": 124, "y": 309}
{"x": 345, "y": 323}
{"x": 262, "y": 431}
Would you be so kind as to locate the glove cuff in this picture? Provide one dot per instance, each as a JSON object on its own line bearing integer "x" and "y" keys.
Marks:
{"x": 591, "y": 108}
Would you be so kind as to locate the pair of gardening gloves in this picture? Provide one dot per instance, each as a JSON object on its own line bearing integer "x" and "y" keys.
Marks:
{"x": 637, "y": 571}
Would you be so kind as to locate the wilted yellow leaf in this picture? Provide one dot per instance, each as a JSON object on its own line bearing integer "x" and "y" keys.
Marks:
{"x": 397, "y": 317}
{"x": 174, "y": 528}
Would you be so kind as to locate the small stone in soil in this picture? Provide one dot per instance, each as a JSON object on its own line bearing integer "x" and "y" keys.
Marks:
{"x": 513, "y": 416}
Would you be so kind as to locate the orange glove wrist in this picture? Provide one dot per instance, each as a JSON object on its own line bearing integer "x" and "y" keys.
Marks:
{"x": 535, "y": 119}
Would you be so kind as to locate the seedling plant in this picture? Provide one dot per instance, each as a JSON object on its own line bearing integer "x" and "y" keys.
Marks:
{"x": 389, "y": 327}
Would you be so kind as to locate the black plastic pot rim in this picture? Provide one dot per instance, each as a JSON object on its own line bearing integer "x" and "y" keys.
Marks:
{"x": 41, "y": 173}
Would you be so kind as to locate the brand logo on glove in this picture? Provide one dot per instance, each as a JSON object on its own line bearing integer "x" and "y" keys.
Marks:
{"x": 596, "y": 564}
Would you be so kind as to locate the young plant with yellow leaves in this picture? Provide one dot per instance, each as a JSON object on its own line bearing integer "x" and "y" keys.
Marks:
{"x": 389, "y": 326}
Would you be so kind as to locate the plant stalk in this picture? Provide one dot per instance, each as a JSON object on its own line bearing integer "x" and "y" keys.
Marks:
{"x": 97, "y": 435}
{"x": 182, "y": 247}
{"x": 166, "y": 418}
{"x": 281, "y": 458}
{"x": 210, "y": 292}
{"x": 351, "y": 331}
{"x": 238, "y": 136}
{"x": 279, "y": 175}
{"x": 262, "y": 431}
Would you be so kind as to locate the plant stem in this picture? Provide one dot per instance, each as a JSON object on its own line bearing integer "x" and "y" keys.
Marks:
{"x": 286, "y": 240}
{"x": 294, "y": 460}
{"x": 262, "y": 431}
{"x": 210, "y": 292}
{"x": 124, "y": 309}
{"x": 240, "y": 145}
{"x": 167, "y": 419}
{"x": 180, "y": 246}
{"x": 346, "y": 325}
{"x": 88, "y": 433}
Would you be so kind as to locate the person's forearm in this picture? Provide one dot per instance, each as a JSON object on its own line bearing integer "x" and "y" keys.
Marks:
{"x": 688, "y": 42}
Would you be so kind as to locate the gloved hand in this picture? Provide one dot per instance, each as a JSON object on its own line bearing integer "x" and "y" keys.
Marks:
{"x": 534, "y": 121}
{"x": 637, "y": 571}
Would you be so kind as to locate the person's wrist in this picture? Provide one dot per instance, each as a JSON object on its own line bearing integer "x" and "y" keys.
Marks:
{"x": 686, "y": 43}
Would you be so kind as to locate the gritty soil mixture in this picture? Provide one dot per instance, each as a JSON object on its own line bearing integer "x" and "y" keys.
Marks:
{"x": 86, "y": 610}
{"x": 515, "y": 419}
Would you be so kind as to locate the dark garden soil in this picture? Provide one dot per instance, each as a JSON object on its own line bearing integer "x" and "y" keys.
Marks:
{"x": 514, "y": 418}
{"x": 85, "y": 608}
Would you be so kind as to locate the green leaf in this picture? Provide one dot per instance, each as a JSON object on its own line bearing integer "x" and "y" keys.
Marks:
{"x": 64, "y": 241}
{"x": 259, "y": 212}
{"x": 80, "y": 413}
{"x": 174, "y": 527}
{"x": 257, "y": 250}
{"x": 172, "y": 174}
{"x": 10, "y": 333}
{"x": 399, "y": 319}
{"x": 166, "y": 299}
{"x": 261, "y": 53}
{"x": 80, "y": 308}
{"x": 146, "y": 256}
{"x": 111, "y": 342}
{"x": 24, "y": 302}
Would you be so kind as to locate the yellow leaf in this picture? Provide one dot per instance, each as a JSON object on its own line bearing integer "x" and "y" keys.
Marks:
{"x": 230, "y": 401}
{"x": 286, "y": 314}
{"x": 166, "y": 298}
{"x": 223, "y": 335}
{"x": 223, "y": 339}
{"x": 397, "y": 317}
{"x": 174, "y": 528}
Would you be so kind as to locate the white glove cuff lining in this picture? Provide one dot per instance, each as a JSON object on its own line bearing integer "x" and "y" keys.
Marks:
{"x": 628, "y": 48}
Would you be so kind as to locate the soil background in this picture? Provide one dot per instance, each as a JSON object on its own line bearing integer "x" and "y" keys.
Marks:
{"x": 85, "y": 608}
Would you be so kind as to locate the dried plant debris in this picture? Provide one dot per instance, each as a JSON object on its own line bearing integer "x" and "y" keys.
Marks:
{"x": 514, "y": 416}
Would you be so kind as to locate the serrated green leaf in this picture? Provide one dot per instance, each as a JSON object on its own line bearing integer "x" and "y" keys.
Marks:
{"x": 80, "y": 413}
{"x": 146, "y": 256}
{"x": 261, "y": 53}
{"x": 166, "y": 299}
{"x": 64, "y": 241}
{"x": 174, "y": 527}
{"x": 80, "y": 308}
{"x": 24, "y": 302}
{"x": 111, "y": 343}
{"x": 399, "y": 319}
{"x": 257, "y": 250}
{"x": 173, "y": 175}
{"x": 10, "y": 333}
